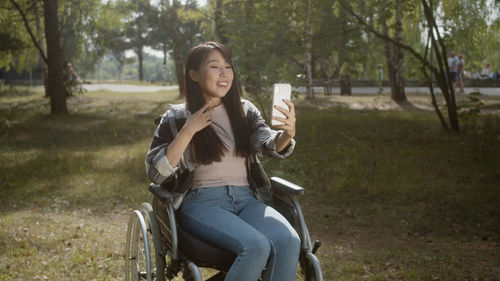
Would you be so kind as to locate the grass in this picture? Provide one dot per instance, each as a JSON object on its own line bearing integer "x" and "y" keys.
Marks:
{"x": 389, "y": 193}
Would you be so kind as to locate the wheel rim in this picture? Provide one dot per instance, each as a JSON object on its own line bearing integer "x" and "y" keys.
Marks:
{"x": 155, "y": 242}
{"x": 137, "y": 264}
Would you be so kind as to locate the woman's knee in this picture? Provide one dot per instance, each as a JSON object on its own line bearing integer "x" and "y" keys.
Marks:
{"x": 288, "y": 243}
{"x": 258, "y": 247}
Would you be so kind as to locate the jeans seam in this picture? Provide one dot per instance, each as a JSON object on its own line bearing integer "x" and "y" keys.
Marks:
{"x": 272, "y": 258}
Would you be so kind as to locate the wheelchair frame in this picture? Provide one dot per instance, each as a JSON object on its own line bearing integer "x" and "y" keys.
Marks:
{"x": 152, "y": 245}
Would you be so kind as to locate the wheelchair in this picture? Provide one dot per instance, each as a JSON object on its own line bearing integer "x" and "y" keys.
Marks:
{"x": 159, "y": 248}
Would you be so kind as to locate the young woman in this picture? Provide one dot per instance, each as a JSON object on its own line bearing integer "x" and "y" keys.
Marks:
{"x": 219, "y": 133}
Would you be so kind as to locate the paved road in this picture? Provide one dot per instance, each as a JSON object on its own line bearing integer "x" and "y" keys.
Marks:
{"x": 127, "y": 88}
{"x": 414, "y": 90}
{"x": 336, "y": 90}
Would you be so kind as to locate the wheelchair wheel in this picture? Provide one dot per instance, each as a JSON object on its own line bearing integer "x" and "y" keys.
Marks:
{"x": 140, "y": 262}
{"x": 156, "y": 253}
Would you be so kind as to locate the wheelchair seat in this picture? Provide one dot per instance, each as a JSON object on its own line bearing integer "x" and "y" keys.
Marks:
{"x": 202, "y": 253}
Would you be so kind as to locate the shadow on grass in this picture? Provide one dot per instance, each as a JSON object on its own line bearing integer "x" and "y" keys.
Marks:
{"x": 398, "y": 170}
{"x": 82, "y": 131}
{"x": 84, "y": 159}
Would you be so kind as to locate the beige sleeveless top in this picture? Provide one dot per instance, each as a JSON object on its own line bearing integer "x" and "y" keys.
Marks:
{"x": 231, "y": 170}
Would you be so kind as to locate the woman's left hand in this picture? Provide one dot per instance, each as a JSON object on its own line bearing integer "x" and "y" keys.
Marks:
{"x": 288, "y": 125}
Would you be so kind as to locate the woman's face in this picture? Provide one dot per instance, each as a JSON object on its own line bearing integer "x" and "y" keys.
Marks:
{"x": 215, "y": 76}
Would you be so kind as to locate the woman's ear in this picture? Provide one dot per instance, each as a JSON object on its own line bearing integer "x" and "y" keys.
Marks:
{"x": 193, "y": 74}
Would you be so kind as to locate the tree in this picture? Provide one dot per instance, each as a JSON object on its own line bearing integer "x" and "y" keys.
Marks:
{"x": 182, "y": 31}
{"x": 54, "y": 58}
{"x": 261, "y": 43}
{"x": 219, "y": 22}
{"x": 469, "y": 27}
{"x": 80, "y": 40}
{"x": 393, "y": 53}
{"x": 138, "y": 30}
{"x": 16, "y": 46}
{"x": 438, "y": 48}
{"x": 161, "y": 31}
{"x": 339, "y": 44}
{"x": 110, "y": 30}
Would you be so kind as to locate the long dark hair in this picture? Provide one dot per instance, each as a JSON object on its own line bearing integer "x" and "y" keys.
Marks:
{"x": 207, "y": 146}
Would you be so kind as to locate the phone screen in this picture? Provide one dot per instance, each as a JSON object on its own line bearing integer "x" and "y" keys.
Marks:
{"x": 280, "y": 92}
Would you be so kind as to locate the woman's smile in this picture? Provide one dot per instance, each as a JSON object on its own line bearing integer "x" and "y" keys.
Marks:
{"x": 215, "y": 76}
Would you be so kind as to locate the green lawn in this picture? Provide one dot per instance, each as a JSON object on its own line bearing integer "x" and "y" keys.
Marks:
{"x": 388, "y": 192}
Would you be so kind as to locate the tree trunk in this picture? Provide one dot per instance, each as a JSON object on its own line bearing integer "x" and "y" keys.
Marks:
{"x": 252, "y": 83}
{"x": 54, "y": 59}
{"x": 398, "y": 87}
{"x": 366, "y": 44}
{"x": 219, "y": 26}
{"x": 430, "y": 80}
{"x": 164, "y": 50}
{"x": 140, "y": 58}
{"x": 177, "y": 49}
{"x": 308, "y": 50}
{"x": 441, "y": 58}
{"x": 395, "y": 59}
{"x": 179, "y": 70}
{"x": 41, "y": 42}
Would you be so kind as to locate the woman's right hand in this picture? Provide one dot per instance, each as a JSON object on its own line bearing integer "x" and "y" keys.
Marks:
{"x": 200, "y": 119}
{"x": 194, "y": 123}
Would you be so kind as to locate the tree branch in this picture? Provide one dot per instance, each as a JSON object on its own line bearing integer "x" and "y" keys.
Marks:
{"x": 26, "y": 24}
{"x": 428, "y": 12}
{"x": 349, "y": 9}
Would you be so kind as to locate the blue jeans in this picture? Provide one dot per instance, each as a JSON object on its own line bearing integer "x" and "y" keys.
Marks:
{"x": 230, "y": 217}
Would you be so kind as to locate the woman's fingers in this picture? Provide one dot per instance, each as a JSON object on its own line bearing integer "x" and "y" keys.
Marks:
{"x": 202, "y": 118}
{"x": 282, "y": 120}
{"x": 290, "y": 113}
{"x": 288, "y": 125}
{"x": 282, "y": 110}
{"x": 205, "y": 106}
{"x": 291, "y": 106}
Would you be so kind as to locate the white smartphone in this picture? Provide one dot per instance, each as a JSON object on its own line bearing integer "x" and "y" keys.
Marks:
{"x": 280, "y": 92}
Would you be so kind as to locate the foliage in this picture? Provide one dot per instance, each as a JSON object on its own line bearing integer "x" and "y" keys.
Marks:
{"x": 275, "y": 43}
{"x": 469, "y": 111}
{"x": 80, "y": 41}
{"x": 110, "y": 69}
{"x": 16, "y": 48}
{"x": 470, "y": 28}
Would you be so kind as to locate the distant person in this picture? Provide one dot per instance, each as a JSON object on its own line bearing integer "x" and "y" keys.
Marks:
{"x": 73, "y": 78}
{"x": 486, "y": 72}
{"x": 460, "y": 72}
{"x": 452, "y": 65}
{"x": 380, "y": 77}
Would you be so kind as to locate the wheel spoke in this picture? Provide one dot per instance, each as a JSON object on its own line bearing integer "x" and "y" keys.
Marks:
{"x": 299, "y": 276}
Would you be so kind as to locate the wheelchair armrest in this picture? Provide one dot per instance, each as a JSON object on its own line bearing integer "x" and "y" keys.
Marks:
{"x": 162, "y": 194}
{"x": 286, "y": 186}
